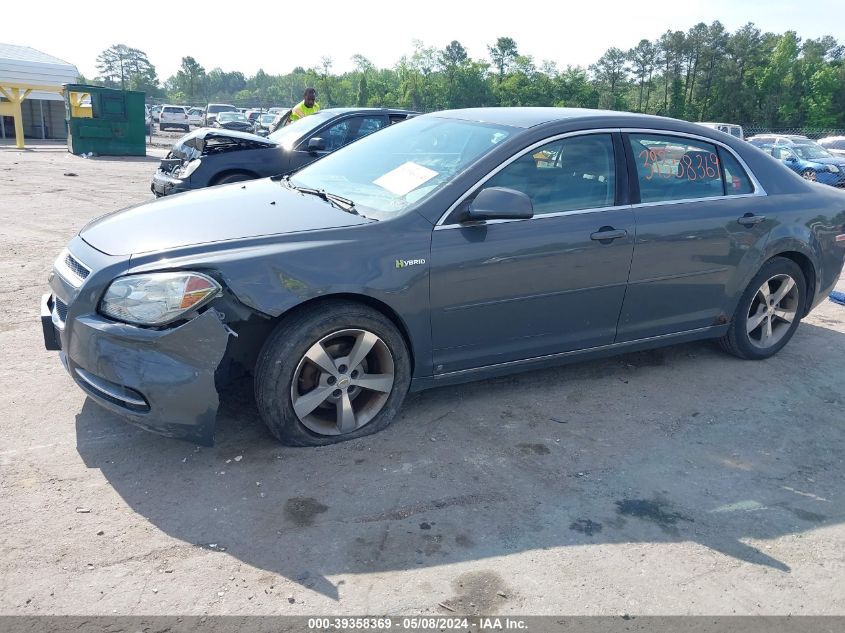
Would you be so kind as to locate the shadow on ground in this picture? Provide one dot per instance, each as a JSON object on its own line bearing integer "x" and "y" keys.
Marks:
{"x": 678, "y": 444}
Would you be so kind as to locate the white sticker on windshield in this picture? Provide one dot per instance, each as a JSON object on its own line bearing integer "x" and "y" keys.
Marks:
{"x": 405, "y": 178}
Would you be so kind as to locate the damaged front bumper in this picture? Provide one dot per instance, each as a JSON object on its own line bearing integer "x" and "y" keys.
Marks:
{"x": 164, "y": 184}
{"x": 160, "y": 380}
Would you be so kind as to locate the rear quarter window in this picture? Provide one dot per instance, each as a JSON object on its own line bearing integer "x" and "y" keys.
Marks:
{"x": 737, "y": 181}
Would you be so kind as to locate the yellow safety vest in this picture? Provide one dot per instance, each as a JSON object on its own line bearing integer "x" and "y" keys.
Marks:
{"x": 300, "y": 110}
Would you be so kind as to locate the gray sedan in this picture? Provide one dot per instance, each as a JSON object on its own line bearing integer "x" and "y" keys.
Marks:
{"x": 457, "y": 246}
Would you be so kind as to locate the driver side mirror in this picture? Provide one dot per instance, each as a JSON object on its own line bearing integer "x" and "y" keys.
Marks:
{"x": 316, "y": 144}
{"x": 500, "y": 203}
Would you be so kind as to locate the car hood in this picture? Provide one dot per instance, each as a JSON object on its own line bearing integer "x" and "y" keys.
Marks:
{"x": 192, "y": 144}
{"x": 227, "y": 212}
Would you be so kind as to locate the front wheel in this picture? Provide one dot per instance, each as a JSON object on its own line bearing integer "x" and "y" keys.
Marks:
{"x": 332, "y": 372}
{"x": 809, "y": 174}
{"x": 768, "y": 312}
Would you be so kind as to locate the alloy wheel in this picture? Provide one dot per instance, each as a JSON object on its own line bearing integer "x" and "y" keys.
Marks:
{"x": 772, "y": 311}
{"x": 809, "y": 174}
{"x": 342, "y": 382}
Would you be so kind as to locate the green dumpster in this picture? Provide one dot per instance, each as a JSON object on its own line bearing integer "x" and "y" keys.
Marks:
{"x": 104, "y": 121}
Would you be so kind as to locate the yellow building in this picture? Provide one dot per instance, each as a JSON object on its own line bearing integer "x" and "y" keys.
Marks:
{"x": 31, "y": 104}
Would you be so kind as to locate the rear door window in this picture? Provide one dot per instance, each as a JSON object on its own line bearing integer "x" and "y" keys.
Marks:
{"x": 369, "y": 125}
{"x": 676, "y": 168}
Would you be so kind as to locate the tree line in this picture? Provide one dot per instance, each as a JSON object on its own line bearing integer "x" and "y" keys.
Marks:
{"x": 706, "y": 73}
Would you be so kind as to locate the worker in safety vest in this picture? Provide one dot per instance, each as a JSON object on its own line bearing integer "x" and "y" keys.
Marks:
{"x": 307, "y": 106}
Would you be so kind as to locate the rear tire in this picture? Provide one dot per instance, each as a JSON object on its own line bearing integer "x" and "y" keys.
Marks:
{"x": 768, "y": 312}
{"x": 332, "y": 372}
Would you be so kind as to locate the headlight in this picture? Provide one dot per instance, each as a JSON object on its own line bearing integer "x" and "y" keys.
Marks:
{"x": 157, "y": 298}
{"x": 833, "y": 169}
{"x": 190, "y": 168}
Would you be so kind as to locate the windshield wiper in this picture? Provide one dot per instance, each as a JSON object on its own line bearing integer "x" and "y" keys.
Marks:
{"x": 344, "y": 204}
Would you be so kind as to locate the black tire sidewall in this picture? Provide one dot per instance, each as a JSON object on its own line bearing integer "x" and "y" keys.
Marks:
{"x": 776, "y": 266}
{"x": 287, "y": 345}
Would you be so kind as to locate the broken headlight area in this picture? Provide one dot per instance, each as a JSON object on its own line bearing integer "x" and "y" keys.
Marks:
{"x": 187, "y": 169}
{"x": 157, "y": 299}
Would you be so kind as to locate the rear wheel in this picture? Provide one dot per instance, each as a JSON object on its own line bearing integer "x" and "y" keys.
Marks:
{"x": 333, "y": 372}
{"x": 768, "y": 312}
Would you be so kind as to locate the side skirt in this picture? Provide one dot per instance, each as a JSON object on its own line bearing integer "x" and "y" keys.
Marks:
{"x": 565, "y": 358}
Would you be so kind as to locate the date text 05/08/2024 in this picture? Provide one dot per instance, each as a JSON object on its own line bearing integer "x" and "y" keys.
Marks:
{"x": 422, "y": 623}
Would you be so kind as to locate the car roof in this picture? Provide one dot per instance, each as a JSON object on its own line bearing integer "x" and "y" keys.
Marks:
{"x": 366, "y": 110}
{"x": 526, "y": 117}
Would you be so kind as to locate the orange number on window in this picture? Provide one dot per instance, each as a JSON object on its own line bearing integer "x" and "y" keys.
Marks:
{"x": 712, "y": 170}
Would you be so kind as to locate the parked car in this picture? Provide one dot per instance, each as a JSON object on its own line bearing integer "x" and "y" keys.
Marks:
{"x": 148, "y": 119}
{"x": 213, "y": 109}
{"x": 173, "y": 116}
{"x": 761, "y": 140}
{"x": 834, "y": 144}
{"x": 156, "y": 112}
{"x": 263, "y": 123}
{"x": 810, "y": 160}
{"x": 196, "y": 116}
{"x": 233, "y": 121}
{"x": 436, "y": 252}
{"x": 215, "y": 156}
{"x": 253, "y": 115}
{"x": 728, "y": 128}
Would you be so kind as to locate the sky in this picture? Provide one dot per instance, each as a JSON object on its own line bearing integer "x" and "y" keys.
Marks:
{"x": 278, "y": 36}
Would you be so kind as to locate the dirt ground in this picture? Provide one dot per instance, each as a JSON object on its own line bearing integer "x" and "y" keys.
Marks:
{"x": 676, "y": 481}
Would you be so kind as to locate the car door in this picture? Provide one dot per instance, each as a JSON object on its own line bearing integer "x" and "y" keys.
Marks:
{"x": 506, "y": 290}
{"x": 699, "y": 219}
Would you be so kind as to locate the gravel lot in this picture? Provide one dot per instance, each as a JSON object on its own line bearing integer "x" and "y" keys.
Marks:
{"x": 676, "y": 481}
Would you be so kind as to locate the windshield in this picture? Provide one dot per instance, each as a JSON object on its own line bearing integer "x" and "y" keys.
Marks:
{"x": 214, "y": 109}
{"x": 267, "y": 118}
{"x": 811, "y": 151}
{"x": 290, "y": 134}
{"x": 231, "y": 116}
{"x": 387, "y": 172}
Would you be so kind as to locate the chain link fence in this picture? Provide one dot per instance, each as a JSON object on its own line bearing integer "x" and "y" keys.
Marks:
{"x": 813, "y": 133}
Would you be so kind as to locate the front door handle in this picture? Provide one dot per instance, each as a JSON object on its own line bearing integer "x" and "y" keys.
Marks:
{"x": 749, "y": 219}
{"x": 607, "y": 234}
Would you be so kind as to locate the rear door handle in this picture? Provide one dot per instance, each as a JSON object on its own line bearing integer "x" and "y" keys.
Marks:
{"x": 608, "y": 234}
{"x": 749, "y": 218}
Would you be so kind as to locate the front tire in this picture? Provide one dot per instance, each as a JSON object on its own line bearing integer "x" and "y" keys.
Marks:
{"x": 332, "y": 372}
{"x": 809, "y": 174}
{"x": 769, "y": 311}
